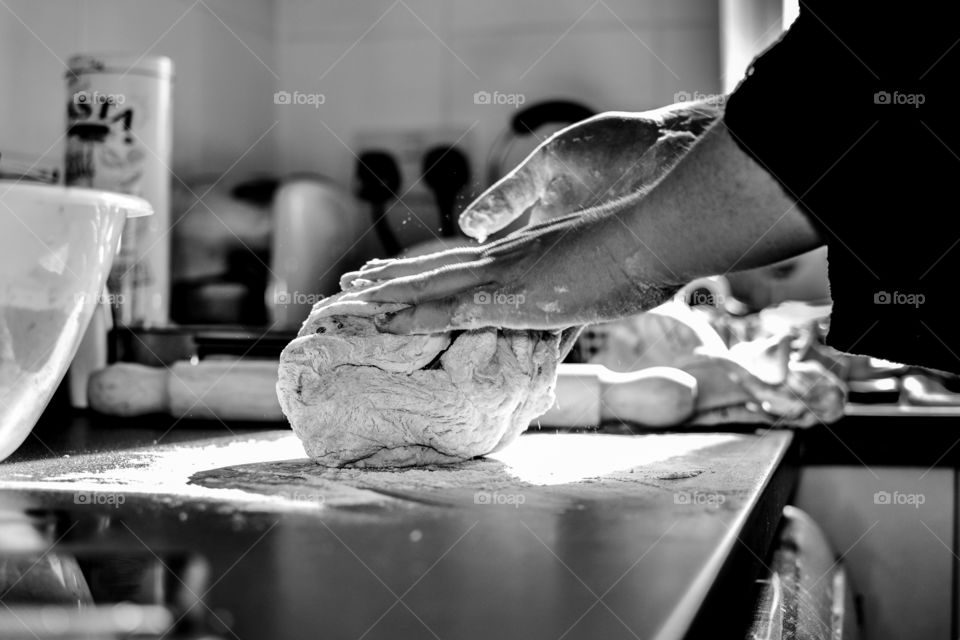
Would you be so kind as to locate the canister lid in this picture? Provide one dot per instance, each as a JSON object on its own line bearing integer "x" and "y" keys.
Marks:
{"x": 123, "y": 63}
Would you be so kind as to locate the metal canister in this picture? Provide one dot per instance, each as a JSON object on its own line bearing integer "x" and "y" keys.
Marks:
{"x": 119, "y": 138}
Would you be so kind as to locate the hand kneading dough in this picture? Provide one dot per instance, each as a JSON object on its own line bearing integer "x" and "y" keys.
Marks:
{"x": 358, "y": 397}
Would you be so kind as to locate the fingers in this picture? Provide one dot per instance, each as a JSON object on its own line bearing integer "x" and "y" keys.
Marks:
{"x": 432, "y": 317}
{"x": 375, "y": 270}
{"x": 430, "y": 285}
{"x": 471, "y": 310}
{"x": 505, "y": 201}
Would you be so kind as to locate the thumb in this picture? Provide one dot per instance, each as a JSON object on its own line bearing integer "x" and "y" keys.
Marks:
{"x": 505, "y": 201}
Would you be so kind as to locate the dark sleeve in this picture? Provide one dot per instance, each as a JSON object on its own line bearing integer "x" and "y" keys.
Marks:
{"x": 831, "y": 112}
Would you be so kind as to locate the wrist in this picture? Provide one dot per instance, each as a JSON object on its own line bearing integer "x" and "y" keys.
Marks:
{"x": 637, "y": 278}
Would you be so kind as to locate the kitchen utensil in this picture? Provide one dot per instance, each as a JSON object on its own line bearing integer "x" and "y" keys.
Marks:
{"x": 446, "y": 171}
{"x": 56, "y": 248}
{"x": 878, "y": 391}
{"x": 867, "y": 368}
{"x": 119, "y": 138}
{"x": 378, "y": 178}
{"x": 587, "y": 395}
{"x": 210, "y": 389}
{"x": 924, "y": 390}
{"x": 317, "y": 236}
{"x": 525, "y": 123}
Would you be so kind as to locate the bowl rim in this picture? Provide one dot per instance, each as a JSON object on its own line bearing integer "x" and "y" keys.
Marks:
{"x": 134, "y": 206}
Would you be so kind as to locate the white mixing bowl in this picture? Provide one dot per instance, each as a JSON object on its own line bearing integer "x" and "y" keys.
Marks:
{"x": 56, "y": 248}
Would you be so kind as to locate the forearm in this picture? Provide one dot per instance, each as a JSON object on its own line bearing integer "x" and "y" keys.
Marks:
{"x": 716, "y": 211}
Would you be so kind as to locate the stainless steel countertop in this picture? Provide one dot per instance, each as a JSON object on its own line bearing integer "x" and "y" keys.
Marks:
{"x": 656, "y": 536}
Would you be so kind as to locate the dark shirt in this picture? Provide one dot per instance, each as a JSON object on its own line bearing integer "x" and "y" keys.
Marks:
{"x": 852, "y": 112}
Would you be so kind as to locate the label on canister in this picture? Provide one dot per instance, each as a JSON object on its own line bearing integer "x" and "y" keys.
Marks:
{"x": 119, "y": 139}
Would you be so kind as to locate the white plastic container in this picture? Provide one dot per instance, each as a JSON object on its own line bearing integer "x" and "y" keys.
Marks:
{"x": 119, "y": 137}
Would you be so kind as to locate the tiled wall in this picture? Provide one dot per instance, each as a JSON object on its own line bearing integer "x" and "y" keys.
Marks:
{"x": 416, "y": 64}
{"x": 222, "y": 100}
{"x": 380, "y": 65}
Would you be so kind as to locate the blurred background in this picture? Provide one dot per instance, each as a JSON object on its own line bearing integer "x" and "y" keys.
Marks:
{"x": 410, "y": 66}
{"x": 296, "y": 124}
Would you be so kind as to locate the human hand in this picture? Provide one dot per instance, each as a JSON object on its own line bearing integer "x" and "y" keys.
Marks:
{"x": 571, "y": 265}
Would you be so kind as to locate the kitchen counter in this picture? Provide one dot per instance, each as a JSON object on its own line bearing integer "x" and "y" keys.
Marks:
{"x": 572, "y": 535}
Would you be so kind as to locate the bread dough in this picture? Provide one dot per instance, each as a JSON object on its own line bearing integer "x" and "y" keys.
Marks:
{"x": 359, "y": 397}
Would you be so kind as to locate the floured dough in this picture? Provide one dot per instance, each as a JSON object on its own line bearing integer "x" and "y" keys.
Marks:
{"x": 359, "y": 397}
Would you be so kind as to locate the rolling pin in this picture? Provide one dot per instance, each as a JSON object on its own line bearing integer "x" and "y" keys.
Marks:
{"x": 587, "y": 394}
{"x": 209, "y": 390}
